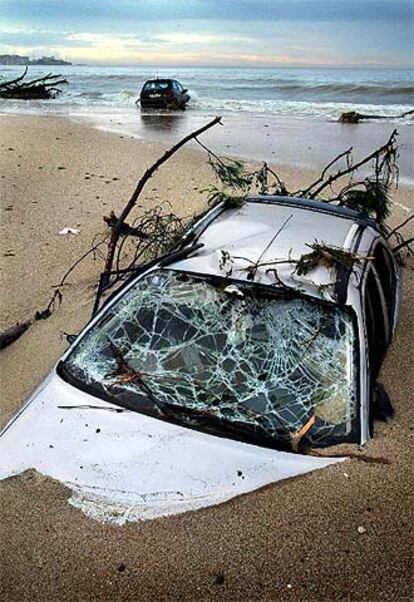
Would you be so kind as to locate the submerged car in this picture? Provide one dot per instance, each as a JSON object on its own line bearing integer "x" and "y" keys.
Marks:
{"x": 189, "y": 385}
{"x": 163, "y": 94}
{"x": 272, "y": 358}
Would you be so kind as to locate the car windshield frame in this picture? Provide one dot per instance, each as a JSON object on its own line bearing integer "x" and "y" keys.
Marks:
{"x": 192, "y": 417}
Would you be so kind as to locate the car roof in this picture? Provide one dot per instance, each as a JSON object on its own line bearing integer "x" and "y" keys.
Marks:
{"x": 247, "y": 235}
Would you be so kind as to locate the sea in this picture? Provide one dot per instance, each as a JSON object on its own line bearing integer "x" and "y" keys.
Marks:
{"x": 300, "y": 92}
{"x": 294, "y": 104}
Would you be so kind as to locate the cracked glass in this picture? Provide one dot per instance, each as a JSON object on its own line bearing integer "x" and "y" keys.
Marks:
{"x": 256, "y": 363}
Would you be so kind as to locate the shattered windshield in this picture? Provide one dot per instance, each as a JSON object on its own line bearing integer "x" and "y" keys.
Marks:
{"x": 276, "y": 366}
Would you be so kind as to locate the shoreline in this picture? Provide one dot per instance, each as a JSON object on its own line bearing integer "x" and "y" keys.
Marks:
{"x": 272, "y": 138}
{"x": 304, "y": 142}
{"x": 301, "y": 533}
{"x": 277, "y": 142}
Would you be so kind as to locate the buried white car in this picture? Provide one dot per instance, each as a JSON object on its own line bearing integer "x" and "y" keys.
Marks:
{"x": 199, "y": 378}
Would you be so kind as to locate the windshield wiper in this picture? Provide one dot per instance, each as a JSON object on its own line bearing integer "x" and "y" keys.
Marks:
{"x": 242, "y": 431}
{"x": 184, "y": 415}
{"x": 127, "y": 374}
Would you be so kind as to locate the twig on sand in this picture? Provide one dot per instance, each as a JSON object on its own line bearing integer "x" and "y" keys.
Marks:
{"x": 57, "y": 294}
{"x": 353, "y": 456}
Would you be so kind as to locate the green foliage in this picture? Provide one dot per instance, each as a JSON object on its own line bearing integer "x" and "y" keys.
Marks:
{"x": 371, "y": 201}
{"x": 261, "y": 179}
{"x": 237, "y": 183}
{"x": 217, "y": 195}
{"x": 231, "y": 173}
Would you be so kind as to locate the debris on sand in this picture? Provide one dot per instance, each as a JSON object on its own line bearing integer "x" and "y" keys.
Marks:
{"x": 354, "y": 117}
{"x": 68, "y": 230}
{"x": 10, "y": 335}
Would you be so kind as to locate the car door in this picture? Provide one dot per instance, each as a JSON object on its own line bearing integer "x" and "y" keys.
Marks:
{"x": 176, "y": 91}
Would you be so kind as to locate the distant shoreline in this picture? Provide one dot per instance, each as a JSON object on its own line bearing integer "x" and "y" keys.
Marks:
{"x": 16, "y": 60}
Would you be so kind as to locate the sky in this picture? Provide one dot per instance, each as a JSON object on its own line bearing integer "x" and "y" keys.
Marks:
{"x": 253, "y": 33}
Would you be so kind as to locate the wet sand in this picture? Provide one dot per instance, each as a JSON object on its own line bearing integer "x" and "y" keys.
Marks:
{"x": 305, "y": 142}
{"x": 297, "y": 540}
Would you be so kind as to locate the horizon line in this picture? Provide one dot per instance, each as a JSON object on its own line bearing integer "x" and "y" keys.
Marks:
{"x": 223, "y": 66}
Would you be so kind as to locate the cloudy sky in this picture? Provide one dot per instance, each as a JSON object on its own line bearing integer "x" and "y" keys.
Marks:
{"x": 212, "y": 32}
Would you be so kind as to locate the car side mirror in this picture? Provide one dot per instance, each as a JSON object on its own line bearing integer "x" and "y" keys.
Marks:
{"x": 185, "y": 90}
{"x": 70, "y": 337}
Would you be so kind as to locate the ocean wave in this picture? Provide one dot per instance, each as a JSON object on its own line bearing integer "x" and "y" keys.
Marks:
{"x": 322, "y": 88}
{"x": 127, "y": 94}
{"x": 282, "y": 107}
{"x": 125, "y": 100}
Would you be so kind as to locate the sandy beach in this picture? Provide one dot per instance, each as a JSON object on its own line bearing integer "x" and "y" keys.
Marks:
{"x": 297, "y": 540}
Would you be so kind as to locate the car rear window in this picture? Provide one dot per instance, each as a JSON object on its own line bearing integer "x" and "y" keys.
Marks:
{"x": 279, "y": 367}
{"x": 156, "y": 86}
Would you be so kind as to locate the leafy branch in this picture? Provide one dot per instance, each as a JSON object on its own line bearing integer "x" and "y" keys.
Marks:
{"x": 321, "y": 255}
{"x": 328, "y": 256}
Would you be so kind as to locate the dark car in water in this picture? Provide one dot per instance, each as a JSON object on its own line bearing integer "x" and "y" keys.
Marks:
{"x": 163, "y": 94}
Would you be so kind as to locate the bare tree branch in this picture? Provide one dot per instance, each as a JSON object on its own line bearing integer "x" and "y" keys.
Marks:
{"x": 140, "y": 186}
{"x": 353, "y": 168}
{"x": 404, "y": 223}
{"x": 10, "y": 82}
{"x": 57, "y": 294}
{"x": 321, "y": 178}
{"x": 405, "y": 243}
{"x": 42, "y": 87}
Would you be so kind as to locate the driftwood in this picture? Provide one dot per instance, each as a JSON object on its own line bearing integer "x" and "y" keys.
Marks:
{"x": 41, "y": 88}
{"x": 12, "y": 334}
{"x": 354, "y": 117}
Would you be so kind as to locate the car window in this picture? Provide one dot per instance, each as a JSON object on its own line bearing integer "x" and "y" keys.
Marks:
{"x": 154, "y": 86}
{"x": 386, "y": 273}
{"x": 376, "y": 316}
{"x": 259, "y": 364}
